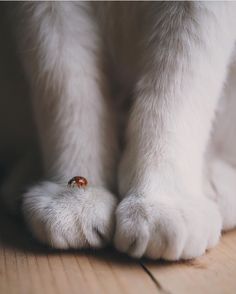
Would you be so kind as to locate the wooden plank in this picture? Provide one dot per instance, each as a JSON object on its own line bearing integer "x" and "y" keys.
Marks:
{"x": 127, "y": 275}
{"x": 26, "y": 267}
{"x": 215, "y": 272}
{"x": 60, "y": 273}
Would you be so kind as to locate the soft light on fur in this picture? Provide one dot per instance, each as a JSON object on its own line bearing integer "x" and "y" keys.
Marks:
{"x": 174, "y": 64}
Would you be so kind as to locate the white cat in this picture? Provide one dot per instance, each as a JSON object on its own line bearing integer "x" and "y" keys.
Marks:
{"x": 171, "y": 62}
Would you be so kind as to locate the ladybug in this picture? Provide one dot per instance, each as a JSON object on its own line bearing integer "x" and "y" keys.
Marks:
{"x": 78, "y": 181}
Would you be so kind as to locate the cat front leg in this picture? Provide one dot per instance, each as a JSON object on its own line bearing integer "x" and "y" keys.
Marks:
{"x": 164, "y": 212}
{"x": 60, "y": 47}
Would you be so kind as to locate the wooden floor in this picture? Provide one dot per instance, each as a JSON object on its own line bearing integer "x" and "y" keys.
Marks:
{"x": 25, "y": 268}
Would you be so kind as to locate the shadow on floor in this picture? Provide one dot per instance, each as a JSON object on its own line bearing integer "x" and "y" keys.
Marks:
{"x": 15, "y": 236}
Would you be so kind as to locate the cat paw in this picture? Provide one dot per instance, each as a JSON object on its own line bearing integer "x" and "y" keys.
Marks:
{"x": 166, "y": 228}
{"x": 68, "y": 217}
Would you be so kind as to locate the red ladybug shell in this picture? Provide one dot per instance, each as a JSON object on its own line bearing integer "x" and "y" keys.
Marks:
{"x": 78, "y": 181}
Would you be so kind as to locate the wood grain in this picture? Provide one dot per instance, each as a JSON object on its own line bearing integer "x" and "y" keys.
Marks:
{"x": 215, "y": 272}
{"x": 26, "y": 267}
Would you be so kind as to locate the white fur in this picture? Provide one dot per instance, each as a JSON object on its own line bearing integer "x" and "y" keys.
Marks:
{"x": 168, "y": 227}
{"x": 168, "y": 134}
{"x": 223, "y": 180}
{"x": 65, "y": 217}
{"x": 170, "y": 61}
{"x": 222, "y": 153}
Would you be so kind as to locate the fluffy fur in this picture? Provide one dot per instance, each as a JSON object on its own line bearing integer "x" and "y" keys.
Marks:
{"x": 146, "y": 89}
